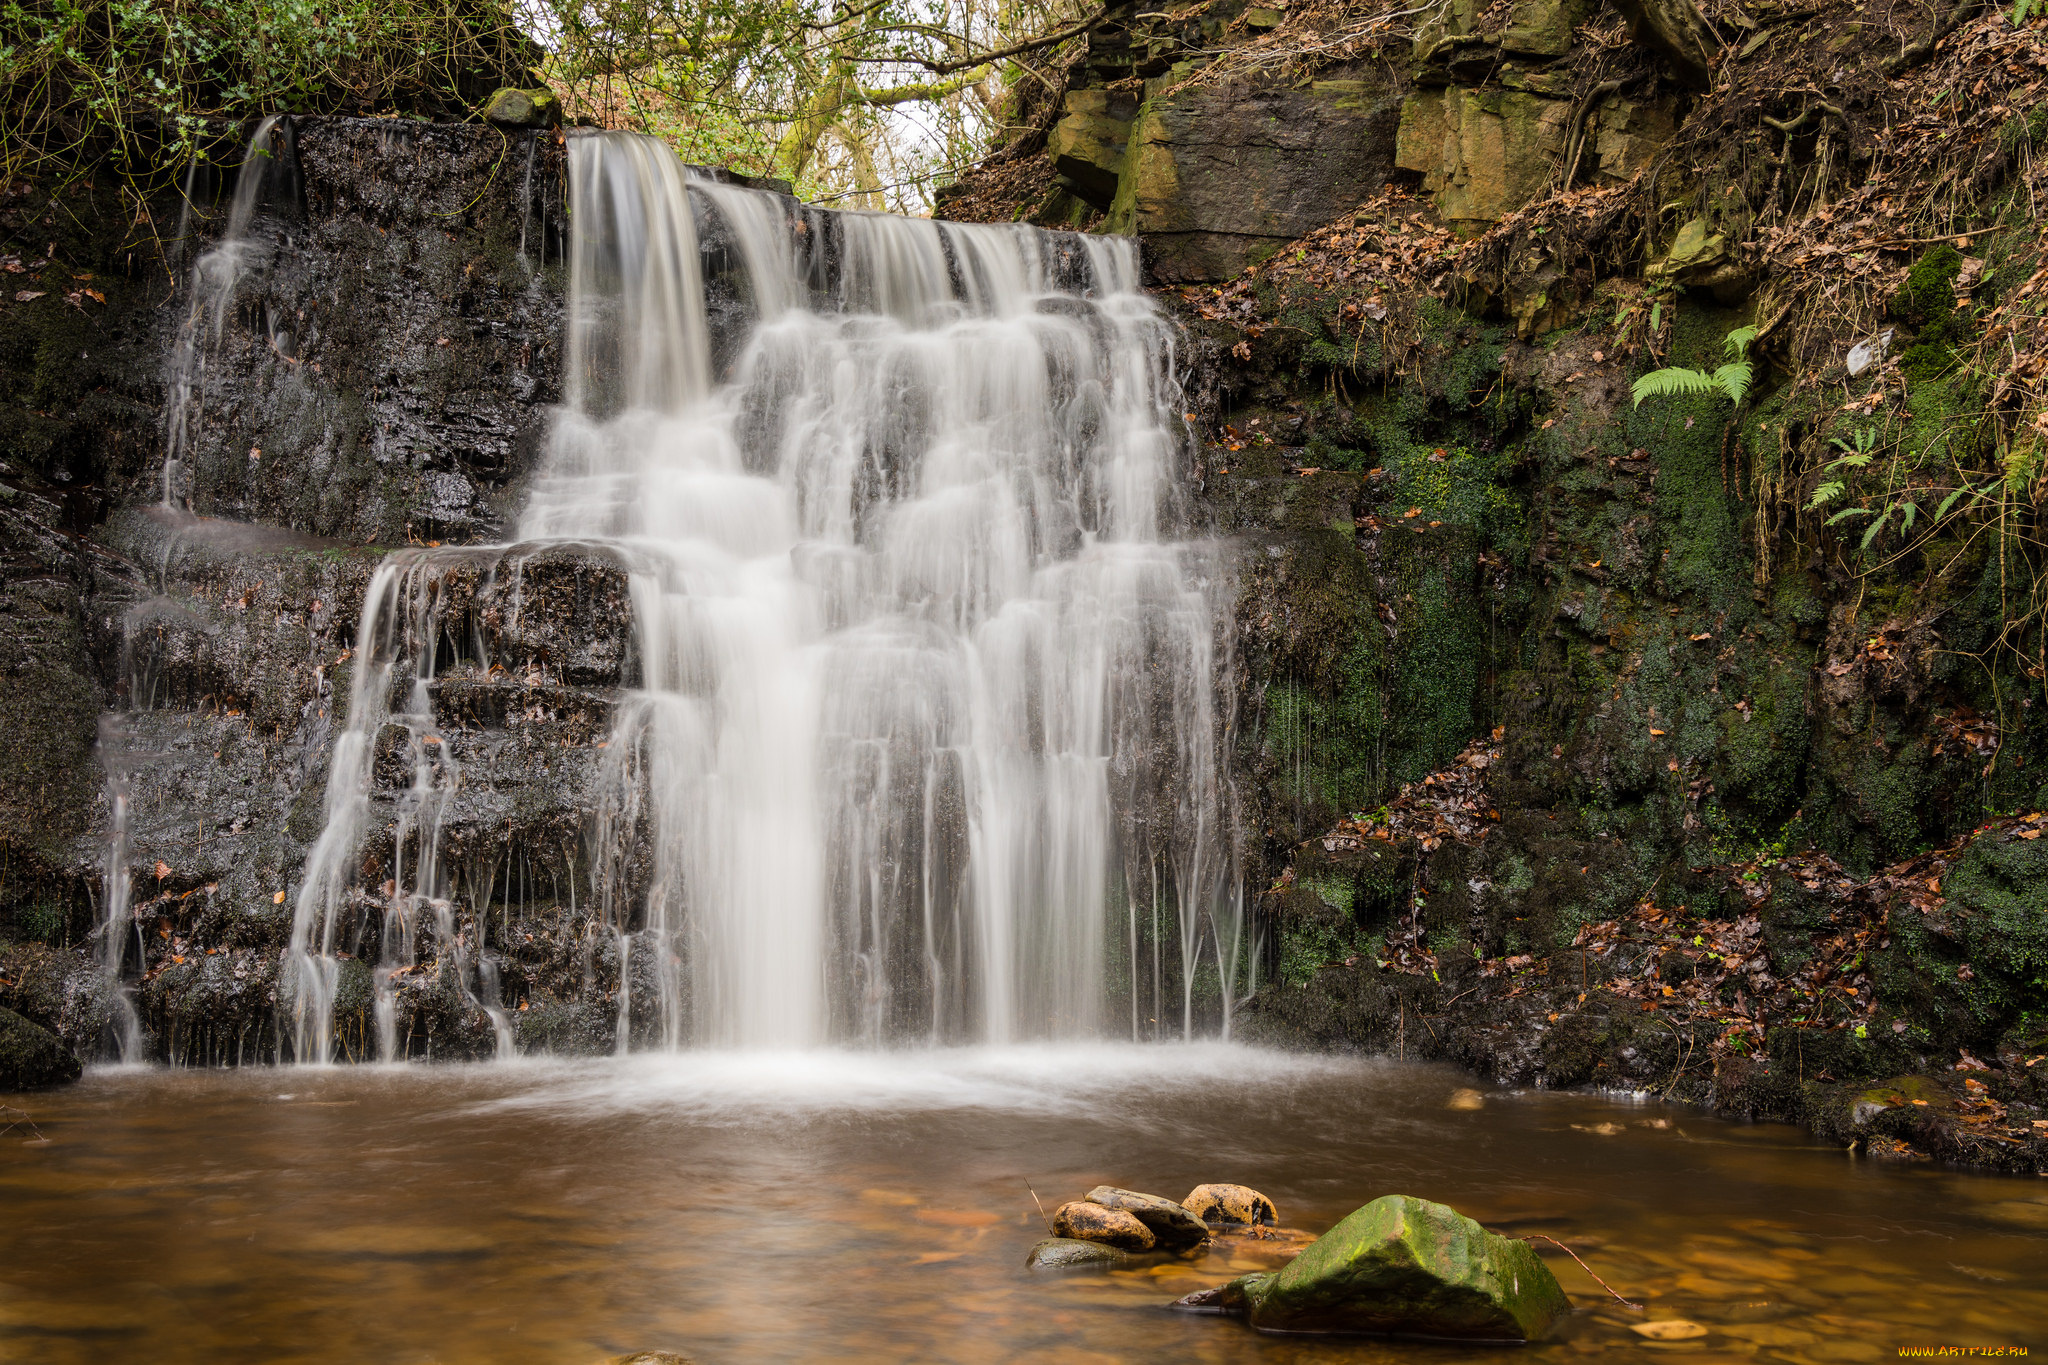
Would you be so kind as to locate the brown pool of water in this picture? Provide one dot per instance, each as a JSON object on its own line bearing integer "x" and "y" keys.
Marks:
{"x": 859, "y": 1206}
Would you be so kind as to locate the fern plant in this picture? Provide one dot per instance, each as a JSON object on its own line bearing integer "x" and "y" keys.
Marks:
{"x": 1857, "y": 453}
{"x": 1854, "y": 456}
{"x": 1732, "y": 379}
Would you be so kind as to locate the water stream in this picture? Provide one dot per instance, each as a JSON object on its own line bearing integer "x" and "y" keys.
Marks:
{"x": 924, "y": 744}
{"x": 863, "y": 1205}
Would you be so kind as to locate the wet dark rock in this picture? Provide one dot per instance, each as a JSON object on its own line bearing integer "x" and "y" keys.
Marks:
{"x": 649, "y": 1358}
{"x": 1087, "y": 1222}
{"x": 1175, "y": 1227}
{"x": 32, "y": 1057}
{"x": 1402, "y": 1266}
{"x": 1069, "y": 1253}
{"x": 392, "y": 351}
{"x": 1231, "y": 1204}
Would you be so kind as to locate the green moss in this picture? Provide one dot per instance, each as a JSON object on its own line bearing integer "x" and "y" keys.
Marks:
{"x": 1695, "y": 510}
{"x": 1312, "y": 946}
{"x": 1927, "y": 300}
{"x": 1433, "y": 701}
{"x": 1929, "y": 290}
{"x": 1979, "y": 965}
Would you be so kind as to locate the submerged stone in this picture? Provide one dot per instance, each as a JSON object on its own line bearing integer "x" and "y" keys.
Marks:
{"x": 1094, "y": 1223}
{"x": 1404, "y": 1266}
{"x": 1231, "y": 1204}
{"x": 1068, "y": 1253}
{"x": 31, "y": 1056}
{"x": 1175, "y": 1227}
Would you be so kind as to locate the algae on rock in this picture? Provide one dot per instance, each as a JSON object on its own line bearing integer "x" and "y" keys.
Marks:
{"x": 1403, "y": 1265}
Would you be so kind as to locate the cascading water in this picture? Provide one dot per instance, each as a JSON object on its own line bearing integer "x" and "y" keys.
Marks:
{"x": 925, "y": 744}
{"x": 214, "y": 276}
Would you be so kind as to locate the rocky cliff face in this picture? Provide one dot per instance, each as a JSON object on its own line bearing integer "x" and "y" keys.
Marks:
{"x": 377, "y": 370}
{"x": 1584, "y": 751}
{"x": 1181, "y": 128}
{"x": 1575, "y": 746}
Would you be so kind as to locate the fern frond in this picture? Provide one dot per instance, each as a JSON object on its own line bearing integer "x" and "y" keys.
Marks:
{"x": 1676, "y": 379}
{"x": 1734, "y": 379}
{"x": 1738, "y": 341}
{"x": 1854, "y": 461}
{"x": 1847, "y": 512}
{"x": 1824, "y": 495}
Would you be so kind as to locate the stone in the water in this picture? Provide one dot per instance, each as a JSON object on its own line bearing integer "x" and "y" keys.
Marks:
{"x": 1231, "y": 1204}
{"x": 1093, "y": 1223}
{"x": 1402, "y": 1265}
{"x": 1175, "y": 1227}
{"x": 1671, "y": 1329}
{"x": 1466, "y": 1099}
{"x": 513, "y": 108}
{"x": 31, "y": 1056}
{"x": 1067, "y": 1253}
{"x": 650, "y": 1358}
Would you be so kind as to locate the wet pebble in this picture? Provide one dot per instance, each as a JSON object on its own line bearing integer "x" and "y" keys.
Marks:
{"x": 1668, "y": 1329}
{"x": 1088, "y": 1222}
{"x": 1070, "y": 1253}
{"x": 1240, "y": 1204}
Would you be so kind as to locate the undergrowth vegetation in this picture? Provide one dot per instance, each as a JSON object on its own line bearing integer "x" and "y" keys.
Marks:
{"x": 144, "y": 86}
{"x": 873, "y": 103}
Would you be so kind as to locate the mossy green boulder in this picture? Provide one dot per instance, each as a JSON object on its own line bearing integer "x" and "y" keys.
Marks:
{"x": 514, "y": 108}
{"x": 1404, "y": 1266}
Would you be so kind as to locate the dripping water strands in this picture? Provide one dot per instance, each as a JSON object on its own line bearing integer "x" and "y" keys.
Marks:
{"x": 118, "y": 924}
{"x": 240, "y": 251}
{"x": 120, "y": 930}
{"x": 398, "y": 642}
{"x": 925, "y": 744}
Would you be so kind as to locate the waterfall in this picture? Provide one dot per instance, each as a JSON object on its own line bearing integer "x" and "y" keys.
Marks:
{"x": 926, "y": 741}
{"x": 117, "y": 914}
{"x": 212, "y": 287}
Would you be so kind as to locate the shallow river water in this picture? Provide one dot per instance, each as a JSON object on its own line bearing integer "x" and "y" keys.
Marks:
{"x": 861, "y": 1206}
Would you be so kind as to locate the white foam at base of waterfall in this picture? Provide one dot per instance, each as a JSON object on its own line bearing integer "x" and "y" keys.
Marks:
{"x": 926, "y": 744}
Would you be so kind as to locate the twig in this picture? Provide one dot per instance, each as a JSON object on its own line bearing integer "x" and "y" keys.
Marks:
{"x": 1583, "y": 1266}
{"x": 1041, "y": 1211}
{"x": 1014, "y": 49}
{"x": 13, "y": 1123}
{"x": 1925, "y": 241}
{"x": 1684, "y": 1053}
{"x": 1923, "y": 47}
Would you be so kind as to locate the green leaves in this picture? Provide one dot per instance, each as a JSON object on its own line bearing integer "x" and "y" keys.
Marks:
{"x": 1902, "y": 511}
{"x": 1674, "y": 379}
{"x": 1731, "y": 379}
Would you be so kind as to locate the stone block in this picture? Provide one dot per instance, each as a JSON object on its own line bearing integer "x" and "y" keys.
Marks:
{"x": 1541, "y": 28}
{"x": 1087, "y": 146}
{"x": 1481, "y": 153}
{"x": 1217, "y": 177}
